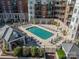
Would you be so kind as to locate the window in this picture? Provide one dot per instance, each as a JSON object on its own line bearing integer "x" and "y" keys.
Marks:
{"x": 15, "y": 16}
{"x": 31, "y": 2}
{"x": 72, "y": 35}
{"x": 31, "y": 17}
{"x": 75, "y": 10}
{"x": 76, "y": 20}
{"x": 71, "y": 26}
{"x": 4, "y": 16}
{"x": 73, "y": 58}
{"x": 74, "y": 28}
{"x": 78, "y": 12}
{"x": 30, "y": 12}
{"x": 0, "y": 16}
{"x": 38, "y": 1}
{"x": 30, "y": 7}
{"x": 73, "y": 19}
{"x": 57, "y": 3}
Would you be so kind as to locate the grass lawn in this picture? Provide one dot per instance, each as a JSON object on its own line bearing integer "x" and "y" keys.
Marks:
{"x": 61, "y": 54}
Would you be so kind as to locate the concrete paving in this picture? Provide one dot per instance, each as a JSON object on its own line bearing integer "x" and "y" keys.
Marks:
{"x": 11, "y": 57}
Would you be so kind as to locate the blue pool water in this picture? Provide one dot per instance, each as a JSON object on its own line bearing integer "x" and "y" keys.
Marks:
{"x": 40, "y": 32}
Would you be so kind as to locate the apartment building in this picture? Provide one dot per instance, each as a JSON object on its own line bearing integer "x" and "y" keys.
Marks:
{"x": 13, "y": 10}
{"x": 70, "y": 7}
{"x": 35, "y": 10}
{"x": 47, "y": 9}
{"x": 60, "y": 8}
{"x": 74, "y": 25}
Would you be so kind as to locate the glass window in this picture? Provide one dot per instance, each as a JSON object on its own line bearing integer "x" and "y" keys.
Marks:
{"x": 30, "y": 12}
{"x": 30, "y": 7}
{"x": 78, "y": 12}
{"x": 71, "y": 26}
{"x": 74, "y": 28}
{"x": 31, "y": 17}
{"x": 38, "y": 1}
{"x": 31, "y": 2}
{"x": 0, "y": 16}
{"x": 75, "y": 10}
{"x": 76, "y": 20}
{"x": 72, "y": 35}
{"x": 73, "y": 19}
{"x": 73, "y": 58}
{"x": 15, "y": 16}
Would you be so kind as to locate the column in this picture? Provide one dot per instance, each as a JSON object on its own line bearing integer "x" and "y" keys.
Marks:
{"x": 24, "y": 40}
{"x": 10, "y": 47}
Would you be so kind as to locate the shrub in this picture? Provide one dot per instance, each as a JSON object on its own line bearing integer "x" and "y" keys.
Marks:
{"x": 54, "y": 22}
{"x": 64, "y": 32}
{"x": 5, "y": 48}
{"x": 41, "y": 52}
{"x": 26, "y": 51}
{"x": 33, "y": 51}
{"x": 18, "y": 51}
{"x": 58, "y": 24}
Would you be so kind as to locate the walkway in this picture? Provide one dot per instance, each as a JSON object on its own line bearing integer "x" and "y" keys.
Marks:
{"x": 11, "y": 57}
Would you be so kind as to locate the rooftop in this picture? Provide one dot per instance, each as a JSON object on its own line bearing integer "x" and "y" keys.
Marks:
{"x": 70, "y": 48}
{"x": 9, "y": 33}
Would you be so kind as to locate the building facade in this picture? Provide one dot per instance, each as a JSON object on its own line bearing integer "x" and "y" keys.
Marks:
{"x": 13, "y": 10}
{"x": 69, "y": 11}
{"x": 47, "y": 9}
{"x": 74, "y": 25}
{"x": 35, "y": 10}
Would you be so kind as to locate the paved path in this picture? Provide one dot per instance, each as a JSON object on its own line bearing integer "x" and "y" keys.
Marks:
{"x": 11, "y": 57}
{"x": 1, "y": 45}
{"x": 0, "y": 52}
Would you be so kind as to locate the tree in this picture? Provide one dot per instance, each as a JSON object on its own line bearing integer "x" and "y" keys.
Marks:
{"x": 18, "y": 51}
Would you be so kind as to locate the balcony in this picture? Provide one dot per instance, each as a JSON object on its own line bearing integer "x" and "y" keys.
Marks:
{"x": 71, "y": 5}
{"x": 70, "y": 13}
{"x": 61, "y": 16}
{"x": 61, "y": 0}
{"x": 62, "y": 11}
{"x": 60, "y": 5}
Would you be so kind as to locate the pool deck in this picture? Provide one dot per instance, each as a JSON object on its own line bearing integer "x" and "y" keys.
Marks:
{"x": 45, "y": 43}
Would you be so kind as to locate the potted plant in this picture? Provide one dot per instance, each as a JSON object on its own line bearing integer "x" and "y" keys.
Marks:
{"x": 64, "y": 32}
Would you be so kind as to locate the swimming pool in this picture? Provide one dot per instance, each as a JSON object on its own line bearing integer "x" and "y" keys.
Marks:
{"x": 40, "y": 32}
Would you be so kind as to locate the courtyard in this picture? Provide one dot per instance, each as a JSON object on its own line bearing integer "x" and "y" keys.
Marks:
{"x": 60, "y": 33}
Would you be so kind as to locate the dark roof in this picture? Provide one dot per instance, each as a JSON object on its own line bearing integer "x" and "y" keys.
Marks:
{"x": 15, "y": 35}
